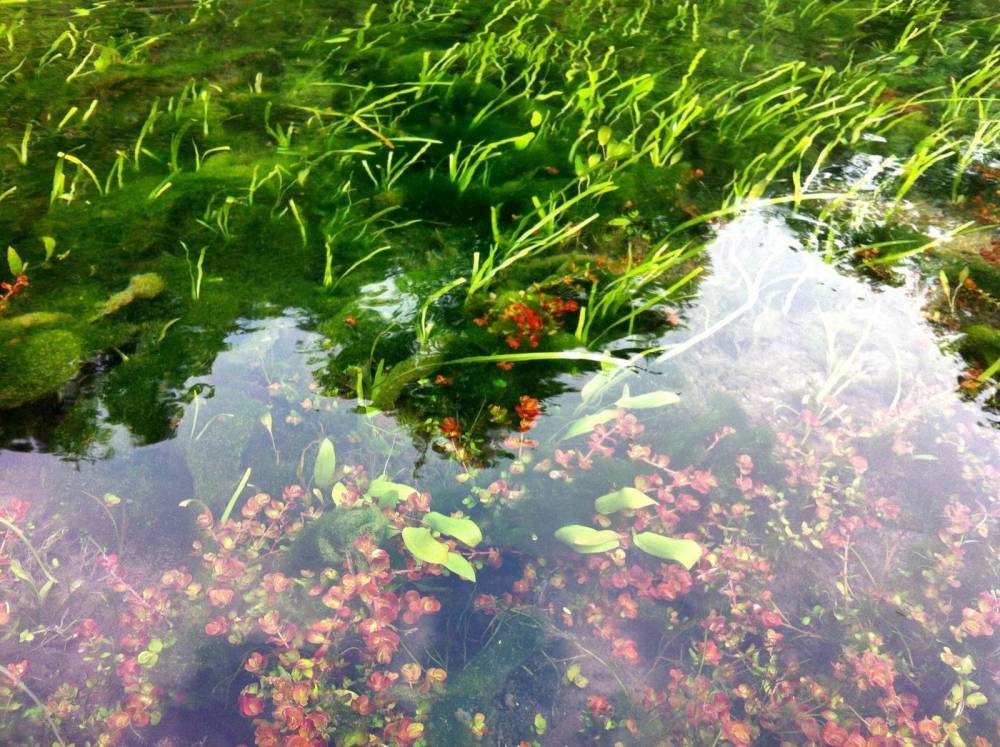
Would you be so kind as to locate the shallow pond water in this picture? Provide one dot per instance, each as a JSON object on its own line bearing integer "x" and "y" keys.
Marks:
{"x": 441, "y": 373}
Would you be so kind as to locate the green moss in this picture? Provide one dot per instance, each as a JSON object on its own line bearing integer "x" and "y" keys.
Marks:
{"x": 145, "y": 286}
{"x": 517, "y": 639}
{"x": 981, "y": 344}
{"x": 192, "y": 66}
{"x": 39, "y": 364}
{"x": 986, "y": 275}
{"x": 24, "y": 322}
{"x": 323, "y": 542}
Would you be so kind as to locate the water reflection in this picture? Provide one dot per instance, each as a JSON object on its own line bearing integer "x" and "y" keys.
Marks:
{"x": 803, "y": 363}
{"x": 779, "y": 325}
{"x": 776, "y": 327}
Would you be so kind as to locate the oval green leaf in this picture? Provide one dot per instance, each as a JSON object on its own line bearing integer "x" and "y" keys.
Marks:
{"x": 594, "y": 549}
{"x": 388, "y": 492}
{"x": 464, "y": 530}
{"x": 18, "y": 570}
{"x": 422, "y": 545}
{"x": 338, "y": 494}
{"x": 325, "y": 469}
{"x": 618, "y": 150}
{"x": 523, "y": 141}
{"x": 14, "y": 261}
{"x": 649, "y": 400}
{"x": 622, "y": 500}
{"x": 577, "y": 536}
{"x": 587, "y": 424}
{"x": 460, "y": 566}
{"x": 684, "y": 551}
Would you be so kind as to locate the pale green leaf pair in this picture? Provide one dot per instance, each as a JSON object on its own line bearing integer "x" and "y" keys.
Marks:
{"x": 464, "y": 530}
{"x": 388, "y": 492}
{"x": 423, "y": 546}
{"x": 587, "y": 540}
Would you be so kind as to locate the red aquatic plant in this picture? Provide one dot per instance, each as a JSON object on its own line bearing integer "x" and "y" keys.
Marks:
{"x": 8, "y": 291}
{"x": 526, "y": 322}
{"x": 450, "y": 428}
{"x": 733, "y": 664}
{"x": 528, "y": 410}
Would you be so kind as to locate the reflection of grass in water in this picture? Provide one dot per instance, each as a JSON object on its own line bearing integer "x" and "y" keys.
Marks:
{"x": 788, "y": 119}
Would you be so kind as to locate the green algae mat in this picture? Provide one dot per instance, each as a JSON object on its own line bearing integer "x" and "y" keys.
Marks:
{"x": 546, "y": 372}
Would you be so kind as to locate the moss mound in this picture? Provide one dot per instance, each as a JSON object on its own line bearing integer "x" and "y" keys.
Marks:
{"x": 39, "y": 364}
{"x": 981, "y": 344}
{"x": 19, "y": 324}
{"x": 145, "y": 286}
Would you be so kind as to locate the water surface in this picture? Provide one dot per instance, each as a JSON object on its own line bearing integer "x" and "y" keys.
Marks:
{"x": 277, "y": 468}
